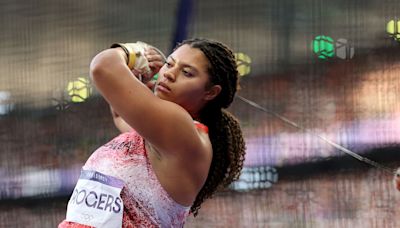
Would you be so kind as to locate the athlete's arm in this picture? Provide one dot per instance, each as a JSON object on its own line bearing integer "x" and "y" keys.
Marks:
{"x": 119, "y": 123}
{"x": 164, "y": 124}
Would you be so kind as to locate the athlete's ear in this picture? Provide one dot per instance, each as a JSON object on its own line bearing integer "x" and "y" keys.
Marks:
{"x": 212, "y": 92}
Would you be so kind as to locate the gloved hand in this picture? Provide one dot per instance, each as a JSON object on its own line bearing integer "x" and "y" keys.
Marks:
{"x": 137, "y": 60}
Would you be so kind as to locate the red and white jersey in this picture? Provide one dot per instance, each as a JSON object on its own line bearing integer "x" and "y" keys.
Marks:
{"x": 145, "y": 201}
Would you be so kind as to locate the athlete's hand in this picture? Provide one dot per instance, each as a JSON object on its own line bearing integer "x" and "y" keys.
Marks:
{"x": 155, "y": 59}
{"x": 144, "y": 60}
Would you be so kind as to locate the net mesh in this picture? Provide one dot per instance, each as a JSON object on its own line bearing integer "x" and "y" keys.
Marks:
{"x": 330, "y": 67}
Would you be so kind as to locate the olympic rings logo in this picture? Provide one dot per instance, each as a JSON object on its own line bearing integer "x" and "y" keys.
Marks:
{"x": 87, "y": 217}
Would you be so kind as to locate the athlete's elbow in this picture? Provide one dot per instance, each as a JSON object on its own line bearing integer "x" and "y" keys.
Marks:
{"x": 104, "y": 65}
{"x": 96, "y": 73}
{"x": 98, "y": 68}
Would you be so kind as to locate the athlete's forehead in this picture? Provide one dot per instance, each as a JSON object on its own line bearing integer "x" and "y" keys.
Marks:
{"x": 189, "y": 57}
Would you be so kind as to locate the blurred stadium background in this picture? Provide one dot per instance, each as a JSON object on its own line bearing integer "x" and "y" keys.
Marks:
{"x": 332, "y": 67}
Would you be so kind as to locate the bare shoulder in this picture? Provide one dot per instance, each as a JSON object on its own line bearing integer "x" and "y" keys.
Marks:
{"x": 198, "y": 161}
{"x": 183, "y": 173}
{"x": 202, "y": 131}
{"x": 194, "y": 153}
{"x": 206, "y": 151}
{"x": 190, "y": 144}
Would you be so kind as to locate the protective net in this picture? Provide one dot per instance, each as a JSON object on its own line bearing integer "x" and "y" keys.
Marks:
{"x": 318, "y": 104}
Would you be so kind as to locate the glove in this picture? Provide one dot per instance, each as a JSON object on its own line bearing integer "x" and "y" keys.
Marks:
{"x": 137, "y": 62}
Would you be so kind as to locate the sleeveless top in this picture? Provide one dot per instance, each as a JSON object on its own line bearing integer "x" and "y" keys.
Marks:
{"x": 146, "y": 203}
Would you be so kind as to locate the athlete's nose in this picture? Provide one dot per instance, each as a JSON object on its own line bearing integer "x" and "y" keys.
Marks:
{"x": 170, "y": 74}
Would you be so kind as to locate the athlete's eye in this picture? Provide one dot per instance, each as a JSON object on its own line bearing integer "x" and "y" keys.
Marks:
{"x": 187, "y": 73}
{"x": 168, "y": 64}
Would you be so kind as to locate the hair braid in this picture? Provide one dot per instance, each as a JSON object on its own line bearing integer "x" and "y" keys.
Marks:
{"x": 224, "y": 130}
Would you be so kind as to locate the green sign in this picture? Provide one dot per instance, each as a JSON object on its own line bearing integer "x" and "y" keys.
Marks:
{"x": 323, "y": 47}
{"x": 393, "y": 29}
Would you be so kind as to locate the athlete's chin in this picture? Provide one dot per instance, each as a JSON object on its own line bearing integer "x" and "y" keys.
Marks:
{"x": 162, "y": 96}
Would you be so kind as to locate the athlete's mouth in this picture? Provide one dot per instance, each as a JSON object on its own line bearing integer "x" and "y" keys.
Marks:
{"x": 163, "y": 87}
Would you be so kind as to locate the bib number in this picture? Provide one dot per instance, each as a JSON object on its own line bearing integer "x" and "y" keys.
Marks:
{"x": 96, "y": 200}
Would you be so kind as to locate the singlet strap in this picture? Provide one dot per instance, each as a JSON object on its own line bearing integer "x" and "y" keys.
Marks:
{"x": 201, "y": 126}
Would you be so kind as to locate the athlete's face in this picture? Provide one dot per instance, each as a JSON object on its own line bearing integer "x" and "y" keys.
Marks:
{"x": 184, "y": 79}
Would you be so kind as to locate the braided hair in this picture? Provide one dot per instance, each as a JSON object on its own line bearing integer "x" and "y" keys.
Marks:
{"x": 224, "y": 130}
